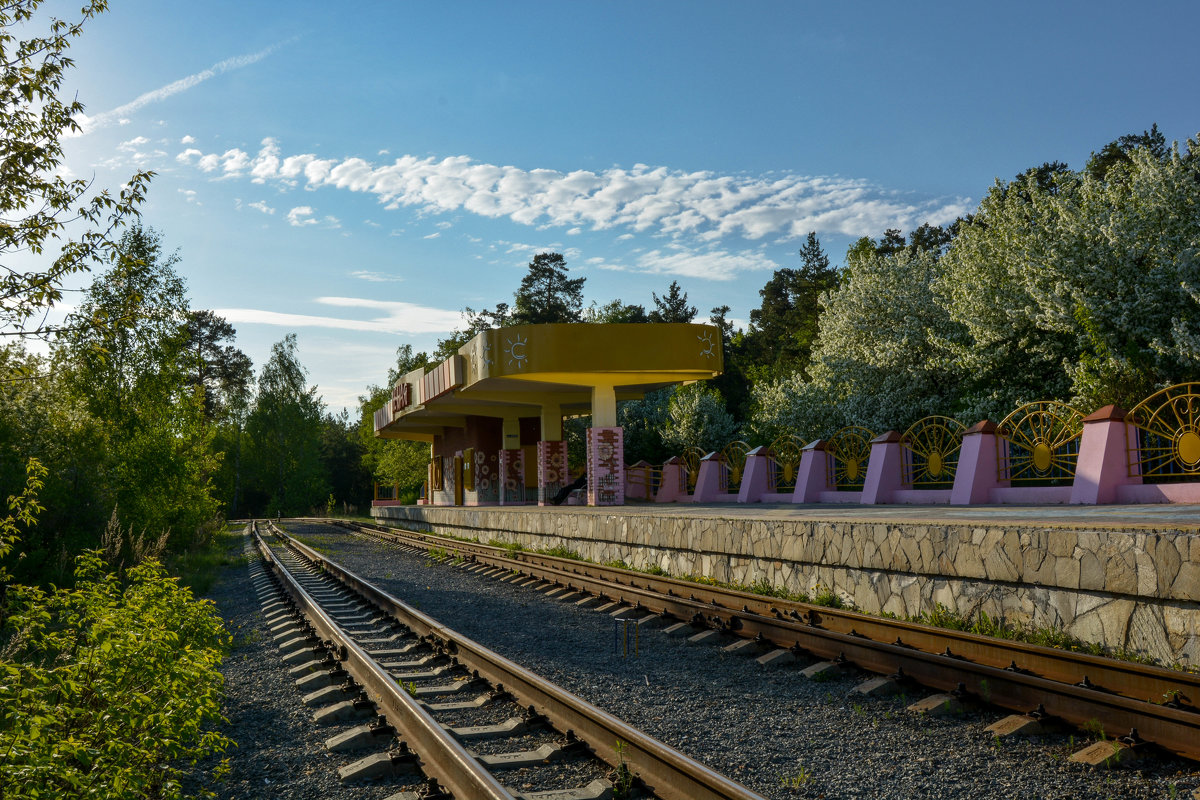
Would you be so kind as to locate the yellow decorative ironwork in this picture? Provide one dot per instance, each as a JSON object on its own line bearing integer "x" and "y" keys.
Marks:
{"x": 1042, "y": 443}
{"x": 733, "y": 461}
{"x": 1167, "y": 441}
{"x": 784, "y": 461}
{"x": 691, "y": 466}
{"x": 931, "y": 448}
{"x": 849, "y": 450}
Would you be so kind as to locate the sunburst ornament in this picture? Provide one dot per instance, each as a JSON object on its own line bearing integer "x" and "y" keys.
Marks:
{"x": 483, "y": 358}
{"x": 514, "y": 349}
{"x": 709, "y": 348}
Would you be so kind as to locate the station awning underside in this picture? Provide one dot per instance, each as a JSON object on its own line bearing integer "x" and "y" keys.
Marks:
{"x": 524, "y": 370}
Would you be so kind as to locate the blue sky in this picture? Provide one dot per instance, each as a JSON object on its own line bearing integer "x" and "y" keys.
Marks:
{"x": 359, "y": 173}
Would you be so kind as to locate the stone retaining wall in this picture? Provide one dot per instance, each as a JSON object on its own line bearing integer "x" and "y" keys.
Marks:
{"x": 1132, "y": 589}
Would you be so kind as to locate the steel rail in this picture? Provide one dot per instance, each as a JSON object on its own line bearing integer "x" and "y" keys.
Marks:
{"x": 1078, "y": 688}
{"x": 664, "y": 771}
{"x": 442, "y": 757}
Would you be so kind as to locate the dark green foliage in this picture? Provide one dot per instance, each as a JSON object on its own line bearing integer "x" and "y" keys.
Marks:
{"x": 546, "y": 293}
{"x": 616, "y": 311}
{"x": 37, "y": 203}
{"x": 783, "y": 328}
{"x": 109, "y": 688}
{"x": 673, "y": 306}
{"x": 1117, "y": 151}
{"x": 221, "y": 371}
{"x": 284, "y": 429}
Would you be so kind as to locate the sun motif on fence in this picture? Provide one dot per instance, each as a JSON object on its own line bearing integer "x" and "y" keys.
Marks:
{"x": 784, "y": 462}
{"x": 1039, "y": 442}
{"x": 691, "y": 463}
{"x": 931, "y": 449}
{"x": 1165, "y": 436}
{"x": 733, "y": 459}
{"x": 849, "y": 449}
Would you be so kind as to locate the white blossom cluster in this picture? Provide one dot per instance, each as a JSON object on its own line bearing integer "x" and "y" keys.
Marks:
{"x": 1082, "y": 287}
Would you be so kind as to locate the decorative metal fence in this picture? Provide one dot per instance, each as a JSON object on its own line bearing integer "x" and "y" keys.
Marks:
{"x": 733, "y": 466}
{"x": 691, "y": 459}
{"x": 849, "y": 450}
{"x": 1163, "y": 437}
{"x": 1039, "y": 443}
{"x": 783, "y": 460}
{"x": 930, "y": 448}
{"x": 643, "y": 480}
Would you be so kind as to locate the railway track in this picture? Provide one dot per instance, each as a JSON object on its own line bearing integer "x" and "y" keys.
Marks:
{"x": 365, "y": 654}
{"x": 1137, "y": 708}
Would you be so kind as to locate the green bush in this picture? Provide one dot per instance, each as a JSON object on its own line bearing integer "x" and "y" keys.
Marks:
{"x": 109, "y": 689}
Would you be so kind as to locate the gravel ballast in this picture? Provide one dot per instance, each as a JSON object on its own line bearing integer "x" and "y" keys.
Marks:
{"x": 768, "y": 728}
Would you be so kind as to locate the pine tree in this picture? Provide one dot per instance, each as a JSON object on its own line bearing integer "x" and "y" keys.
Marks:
{"x": 547, "y": 294}
{"x": 673, "y": 306}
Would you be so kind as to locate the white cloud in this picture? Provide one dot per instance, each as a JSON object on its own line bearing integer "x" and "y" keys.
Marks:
{"x": 188, "y": 194}
{"x": 133, "y": 144}
{"x": 262, "y": 206}
{"x": 189, "y": 139}
{"x": 301, "y": 215}
{"x": 699, "y": 205}
{"x": 375, "y": 277}
{"x": 433, "y": 235}
{"x": 119, "y": 114}
{"x": 397, "y": 317}
{"x": 675, "y": 259}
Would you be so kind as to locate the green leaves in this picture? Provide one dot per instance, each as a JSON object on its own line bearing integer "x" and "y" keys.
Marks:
{"x": 106, "y": 688}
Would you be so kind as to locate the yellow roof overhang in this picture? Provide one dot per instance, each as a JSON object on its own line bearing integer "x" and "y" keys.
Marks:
{"x": 517, "y": 370}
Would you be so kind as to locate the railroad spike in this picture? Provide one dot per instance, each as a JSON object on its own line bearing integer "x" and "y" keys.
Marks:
{"x": 433, "y": 791}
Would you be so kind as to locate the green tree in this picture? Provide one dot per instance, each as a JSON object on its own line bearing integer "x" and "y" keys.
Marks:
{"x": 128, "y": 330}
{"x": 40, "y": 208}
{"x": 615, "y": 311}
{"x": 546, "y": 293}
{"x": 673, "y": 306}
{"x": 696, "y": 417}
{"x": 284, "y": 429}
{"x": 875, "y": 362}
{"x": 783, "y": 328}
{"x": 477, "y": 321}
{"x": 212, "y": 363}
{"x": 391, "y": 461}
{"x": 1119, "y": 151}
{"x": 732, "y": 384}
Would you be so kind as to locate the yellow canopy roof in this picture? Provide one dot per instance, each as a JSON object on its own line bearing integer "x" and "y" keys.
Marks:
{"x": 515, "y": 371}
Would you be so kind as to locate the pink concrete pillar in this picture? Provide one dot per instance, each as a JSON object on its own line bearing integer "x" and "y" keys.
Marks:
{"x": 1103, "y": 463}
{"x": 606, "y": 466}
{"x": 552, "y": 470}
{"x": 755, "y": 478}
{"x": 637, "y": 480}
{"x": 978, "y": 468}
{"x": 813, "y": 475}
{"x": 708, "y": 481}
{"x": 885, "y": 469}
{"x": 674, "y": 482}
{"x": 512, "y": 477}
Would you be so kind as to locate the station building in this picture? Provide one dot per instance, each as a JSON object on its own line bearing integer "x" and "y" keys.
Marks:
{"x": 493, "y": 412}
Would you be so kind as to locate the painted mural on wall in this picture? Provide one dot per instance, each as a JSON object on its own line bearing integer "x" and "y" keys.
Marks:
{"x": 487, "y": 476}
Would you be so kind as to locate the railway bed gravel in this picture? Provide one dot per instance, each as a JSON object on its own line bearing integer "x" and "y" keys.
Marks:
{"x": 770, "y": 729}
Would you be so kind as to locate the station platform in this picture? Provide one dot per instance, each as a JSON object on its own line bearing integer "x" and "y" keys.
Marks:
{"x": 1177, "y": 517}
{"x": 1123, "y": 576}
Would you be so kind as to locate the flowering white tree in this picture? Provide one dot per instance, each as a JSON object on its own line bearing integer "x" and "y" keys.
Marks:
{"x": 696, "y": 417}
{"x": 875, "y": 363}
{"x": 1084, "y": 286}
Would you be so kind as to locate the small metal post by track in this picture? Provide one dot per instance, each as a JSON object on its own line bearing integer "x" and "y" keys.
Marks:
{"x": 625, "y": 631}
